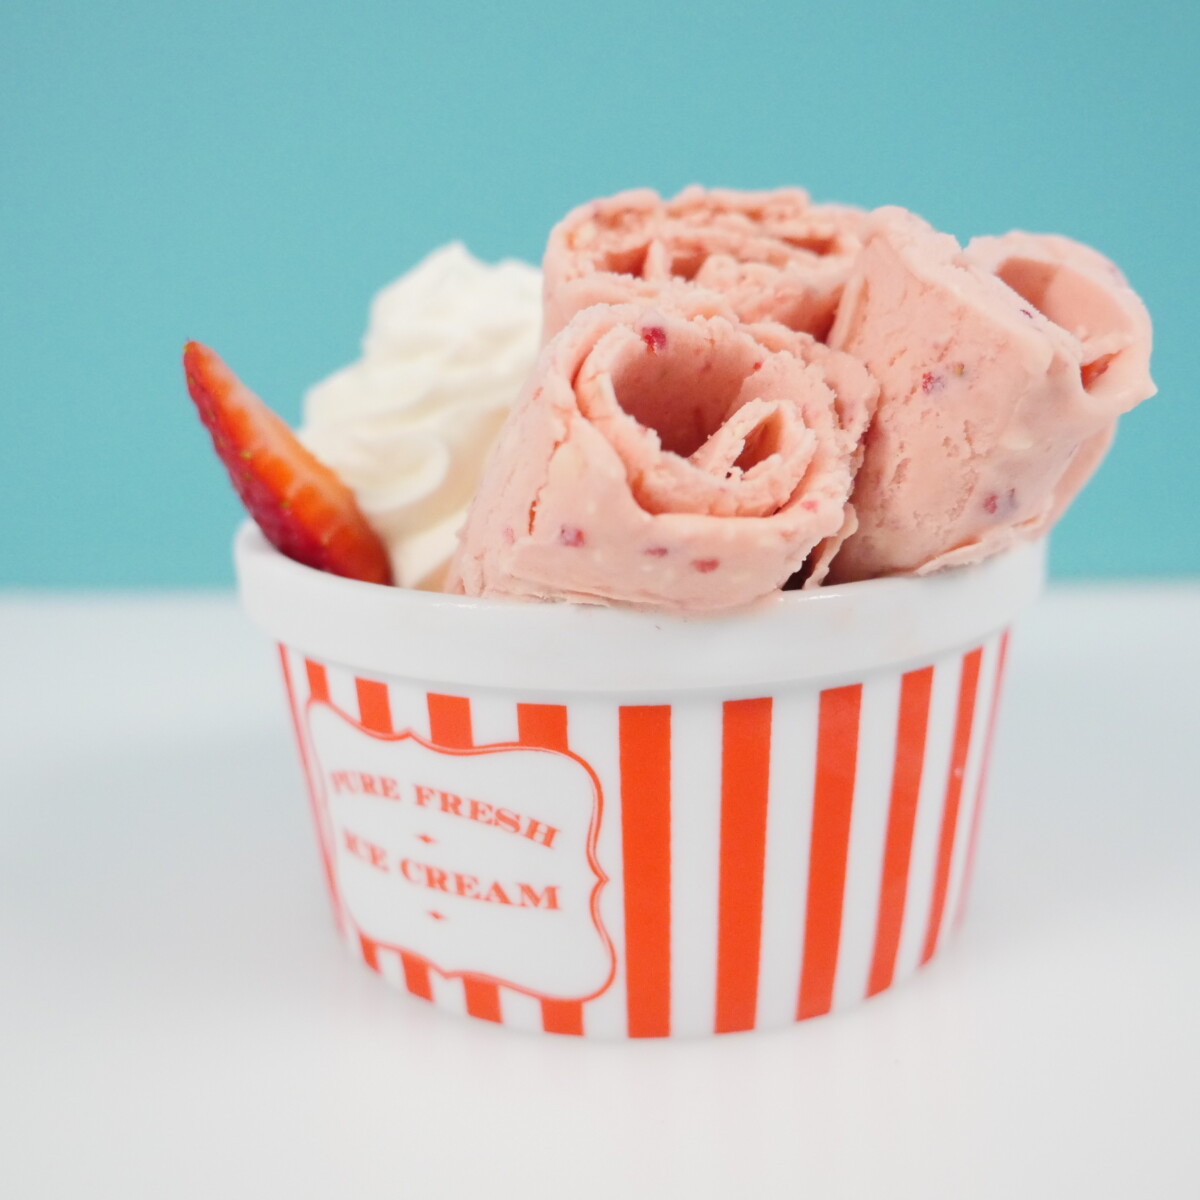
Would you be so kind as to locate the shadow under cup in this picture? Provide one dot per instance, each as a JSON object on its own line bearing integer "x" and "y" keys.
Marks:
{"x": 610, "y": 823}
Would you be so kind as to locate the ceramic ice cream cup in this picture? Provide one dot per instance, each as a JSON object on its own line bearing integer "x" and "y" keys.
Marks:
{"x": 614, "y": 823}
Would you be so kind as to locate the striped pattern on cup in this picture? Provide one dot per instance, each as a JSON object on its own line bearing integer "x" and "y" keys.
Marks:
{"x": 768, "y": 858}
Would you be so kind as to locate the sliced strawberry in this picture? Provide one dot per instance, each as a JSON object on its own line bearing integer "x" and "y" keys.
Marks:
{"x": 303, "y": 508}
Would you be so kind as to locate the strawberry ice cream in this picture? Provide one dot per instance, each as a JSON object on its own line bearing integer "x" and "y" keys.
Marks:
{"x": 668, "y": 459}
{"x": 686, "y": 441}
{"x": 774, "y": 256}
{"x": 1002, "y": 370}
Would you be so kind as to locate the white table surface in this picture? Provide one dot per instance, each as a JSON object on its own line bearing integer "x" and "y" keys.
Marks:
{"x": 177, "y": 1018}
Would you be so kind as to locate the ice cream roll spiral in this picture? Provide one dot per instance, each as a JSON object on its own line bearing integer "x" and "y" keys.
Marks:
{"x": 667, "y": 459}
{"x": 1002, "y": 371}
{"x": 773, "y": 256}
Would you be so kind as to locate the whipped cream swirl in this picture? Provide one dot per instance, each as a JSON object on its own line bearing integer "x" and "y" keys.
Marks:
{"x": 409, "y": 426}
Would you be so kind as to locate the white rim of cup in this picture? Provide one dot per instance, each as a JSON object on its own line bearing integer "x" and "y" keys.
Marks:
{"x": 823, "y": 635}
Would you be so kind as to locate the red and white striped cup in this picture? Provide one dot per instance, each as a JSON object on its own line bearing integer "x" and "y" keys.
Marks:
{"x": 612, "y": 823}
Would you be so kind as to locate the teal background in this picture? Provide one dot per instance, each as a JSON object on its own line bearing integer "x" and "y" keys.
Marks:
{"x": 249, "y": 174}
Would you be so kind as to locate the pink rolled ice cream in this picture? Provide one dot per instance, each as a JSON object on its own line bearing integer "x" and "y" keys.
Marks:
{"x": 1002, "y": 371}
{"x": 680, "y": 461}
{"x": 773, "y": 256}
